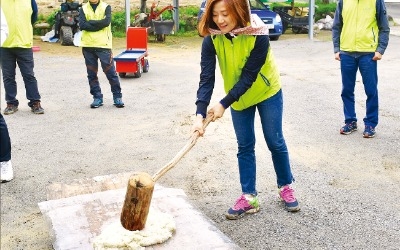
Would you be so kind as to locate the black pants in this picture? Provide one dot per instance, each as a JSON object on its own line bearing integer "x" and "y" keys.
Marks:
{"x": 57, "y": 25}
{"x": 5, "y": 143}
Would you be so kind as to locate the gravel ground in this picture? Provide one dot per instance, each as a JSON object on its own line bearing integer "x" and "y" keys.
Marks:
{"x": 346, "y": 185}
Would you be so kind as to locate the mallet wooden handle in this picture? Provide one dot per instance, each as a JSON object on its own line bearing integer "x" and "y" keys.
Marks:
{"x": 183, "y": 151}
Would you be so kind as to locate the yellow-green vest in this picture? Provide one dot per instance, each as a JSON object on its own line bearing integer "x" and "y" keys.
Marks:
{"x": 360, "y": 29}
{"x": 232, "y": 56}
{"x": 96, "y": 39}
{"x": 18, "y": 14}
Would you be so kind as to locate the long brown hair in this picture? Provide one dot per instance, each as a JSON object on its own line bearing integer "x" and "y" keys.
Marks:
{"x": 238, "y": 9}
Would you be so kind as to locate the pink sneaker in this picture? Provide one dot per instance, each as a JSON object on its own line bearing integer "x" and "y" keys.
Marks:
{"x": 286, "y": 193}
{"x": 246, "y": 204}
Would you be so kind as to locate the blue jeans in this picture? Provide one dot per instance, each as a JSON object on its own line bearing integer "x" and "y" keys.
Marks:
{"x": 368, "y": 70}
{"x": 5, "y": 143}
{"x": 270, "y": 112}
{"x": 10, "y": 57}
{"x": 92, "y": 55}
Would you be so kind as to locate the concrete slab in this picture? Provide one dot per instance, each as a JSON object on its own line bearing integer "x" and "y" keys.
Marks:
{"x": 76, "y": 220}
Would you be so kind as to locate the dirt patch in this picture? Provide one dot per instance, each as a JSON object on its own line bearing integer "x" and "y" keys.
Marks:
{"x": 48, "y": 6}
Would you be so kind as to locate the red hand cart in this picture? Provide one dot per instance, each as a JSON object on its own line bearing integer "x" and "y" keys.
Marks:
{"x": 134, "y": 59}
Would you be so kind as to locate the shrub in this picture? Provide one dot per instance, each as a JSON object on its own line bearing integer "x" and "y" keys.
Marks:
{"x": 188, "y": 17}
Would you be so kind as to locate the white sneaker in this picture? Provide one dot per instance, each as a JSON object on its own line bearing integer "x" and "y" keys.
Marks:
{"x": 7, "y": 173}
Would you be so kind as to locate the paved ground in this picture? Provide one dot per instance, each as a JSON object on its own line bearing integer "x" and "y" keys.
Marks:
{"x": 347, "y": 185}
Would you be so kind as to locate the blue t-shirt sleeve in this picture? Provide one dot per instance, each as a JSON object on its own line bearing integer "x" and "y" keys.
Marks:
{"x": 337, "y": 27}
{"x": 34, "y": 12}
{"x": 207, "y": 76}
{"x": 383, "y": 26}
{"x": 94, "y": 25}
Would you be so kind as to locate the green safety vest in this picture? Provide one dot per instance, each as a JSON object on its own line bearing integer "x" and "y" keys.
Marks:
{"x": 232, "y": 56}
{"x": 18, "y": 14}
{"x": 360, "y": 27}
{"x": 96, "y": 39}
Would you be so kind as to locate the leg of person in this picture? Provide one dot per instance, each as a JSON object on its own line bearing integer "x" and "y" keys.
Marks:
{"x": 91, "y": 61}
{"x": 271, "y": 111}
{"x": 26, "y": 64}
{"x": 348, "y": 68}
{"x": 247, "y": 203}
{"x": 368, "y": 70}
{"x": 108, "y": 66}
{"x": 8, "y": 67}
{"x": 7, "y": 173}
{"x": 57, "y": 25}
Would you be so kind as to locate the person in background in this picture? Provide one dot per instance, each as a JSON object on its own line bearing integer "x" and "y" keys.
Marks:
{"x": 6, "y": 170}
{"x": 96, "y": 43}
{"x": 68, "y": 5}
{"x": 251, "y": 78}
{"x": 17, "y": 49}
{"x": 360, "y": 35}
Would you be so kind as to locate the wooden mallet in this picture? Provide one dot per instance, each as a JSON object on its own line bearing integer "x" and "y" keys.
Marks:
{"x": 141, "y": 185}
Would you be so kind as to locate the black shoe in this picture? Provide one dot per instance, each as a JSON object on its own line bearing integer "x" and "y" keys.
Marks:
{"x": 97, "y": 102}
{"x": 10, "y": 109}
{"x": 36, "y": 108}
{"x": 118, "y": 103}
{"x": 369, "y": 132}
{"x": 349, "y": 128}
